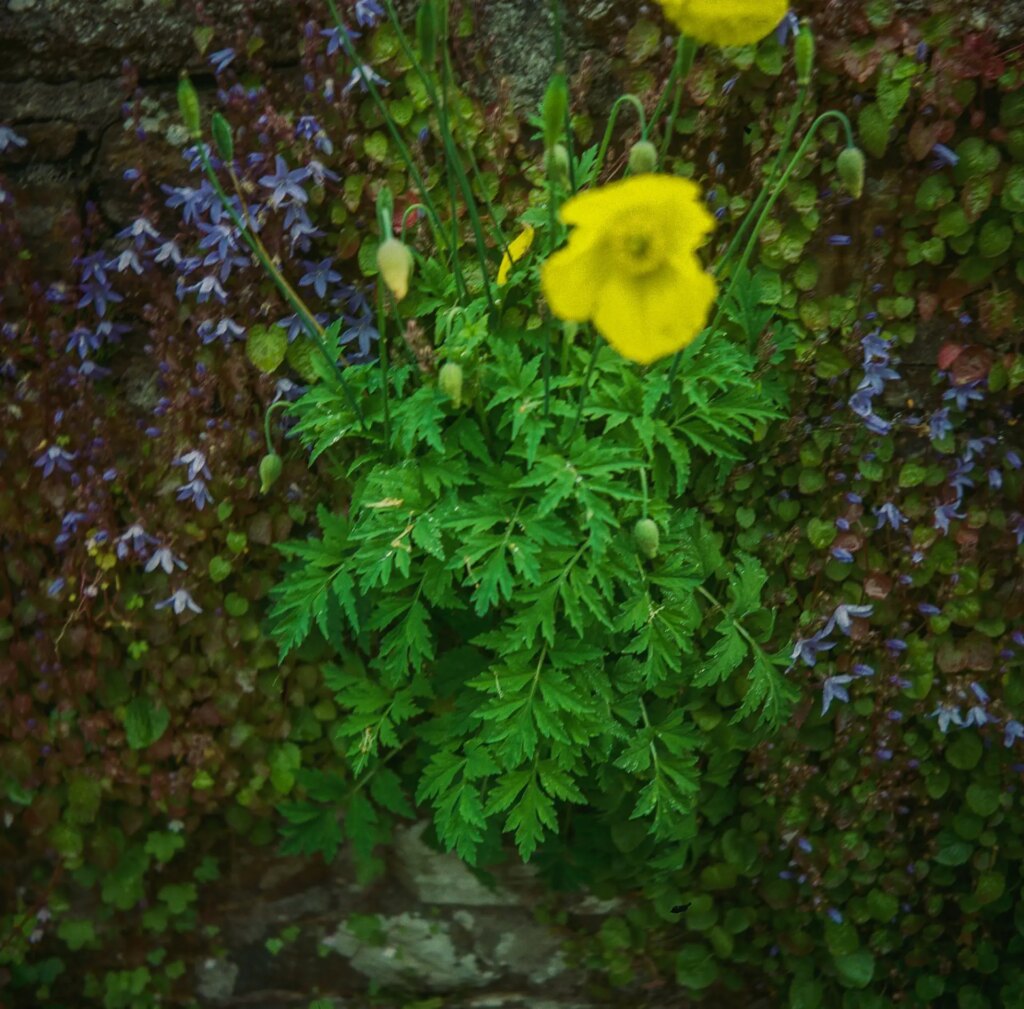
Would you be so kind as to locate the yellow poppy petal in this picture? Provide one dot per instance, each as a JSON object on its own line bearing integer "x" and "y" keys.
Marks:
{"x": 647, "y": 318}
{"x": 517, "y": 248}
{"x": 571, "y": 277}
{"x": 667, "y": 203}
{"x": 726, "y": 22}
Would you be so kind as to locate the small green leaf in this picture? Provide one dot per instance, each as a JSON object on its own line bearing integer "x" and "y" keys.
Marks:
{"x": 144, "y": 723}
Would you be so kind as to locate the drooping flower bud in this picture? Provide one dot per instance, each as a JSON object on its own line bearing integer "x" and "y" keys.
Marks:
{"x": 556, "y": 161}
{"x": 394, "y": 260}
{"x": 449, "y": 381}
{"x": 222, "y": 139}
{"x": 646, "y": 537}
{"x": 643, "y": 157}
{"x": 850, "y": 168}
{"x": 188, "y": 105}
{"x": 556, "y": 102}
{"x": 803, "y": 53}
{"x": 270, "y": 469}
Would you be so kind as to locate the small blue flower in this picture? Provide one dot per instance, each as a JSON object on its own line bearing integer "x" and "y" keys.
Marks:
{"x": 963, "y": 394}
{"x": 807, "y": 648}
{"x": 195, "y": 491}
{"x": 222, "y": 59}
{"x": 834, "y": 689}
{"x": 1013, "y": 459}
{"x": 947, "y": 715}
{"x": 840, "y": 240}
{"x": 368, "y": 13}
{"x": 843, "y": 617}
{"x": 360, "y": 76}
{"x": 1012, "y": 731}
{"x": 8, "y": 138}
{"x": 896, "y": 645}
{"x": 945, "y": 513}
{"x": 319, "y": 275}
{"x": 945, "y": 155}
{"x": 862, "y": 669}
{"x": 196, "y": 463}
{"x": 180, "y": 601}
{"x": 928, "y": 609}
{"x": 55, "y": 457}
{"x": 160, "y": 558}
{"x": 889, "y": 513}
{"x": 285, "y": 184}
{"x": 788, "y": 26}
{"x": 842, "y": 555}
{"x": 333, "y": 36}
{"x": 940, "y": 425}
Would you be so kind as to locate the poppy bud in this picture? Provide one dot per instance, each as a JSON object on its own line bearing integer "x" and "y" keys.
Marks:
{"x": 643, "y": 157}
{"x": 556, "y": 102}
{"x": 188, "y": 105}
{"x": 850, "y": 168}
{"x": 449, "y": 381}
{"x": 394, "y": 260}
{"x": 222, "y": 139}
{"x": 556, "y": 161}
{"x": 803, "y": 53}
{"x": 270, "y": 469}
{"x": 646, "y": 537}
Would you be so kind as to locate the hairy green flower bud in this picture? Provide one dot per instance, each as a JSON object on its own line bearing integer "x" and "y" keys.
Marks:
{"x": 646, "y": 537}
{"x": 449, "y": 381}
{"x": 394, "y": 260}
{"x": 270, "y": 469}
{"x": 643, "y": 157}
{"x": 803, "y": 52}
{"x": 556, "y": 102}
{"x": 222, "y": 139}
{"x": 188, "y": 105}
{"x": 850, "y": 168}
{"x": 556, "y": 161}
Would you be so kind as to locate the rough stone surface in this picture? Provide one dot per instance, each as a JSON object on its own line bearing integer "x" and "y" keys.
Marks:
{"x": 429, "y": 927}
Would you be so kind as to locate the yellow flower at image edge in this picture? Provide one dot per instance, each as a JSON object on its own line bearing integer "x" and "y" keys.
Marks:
{"x": 517, "y": 248}
{"x": 631, "y": 265}
{"x": 725, "y": 22}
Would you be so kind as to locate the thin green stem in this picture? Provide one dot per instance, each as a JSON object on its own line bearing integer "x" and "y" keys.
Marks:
{"x": 755, "y": 208}
{"x": 460, "y": 175}
{"x": 266, "y": 423}
{"x": 612, "y": 116}
{"x": 382, "y": 353}
{"x": 643, "y": 488}
{"x": 686, "y": 50}
{"x": 313, "y": 327}
{"x": 405, "y": 217}
{"x": 557, "y": 35}
{"x": 583, "y": 391}
{"x": 759, "y": 223}
{"x": 346, "y": 44}
{"x": 424, "y": 76}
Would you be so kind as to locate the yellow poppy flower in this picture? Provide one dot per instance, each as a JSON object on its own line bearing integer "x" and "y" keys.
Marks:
{"x": 517, "y": 248}
{"x": 631, "y": 265}
{"x": 725, "y": 22}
